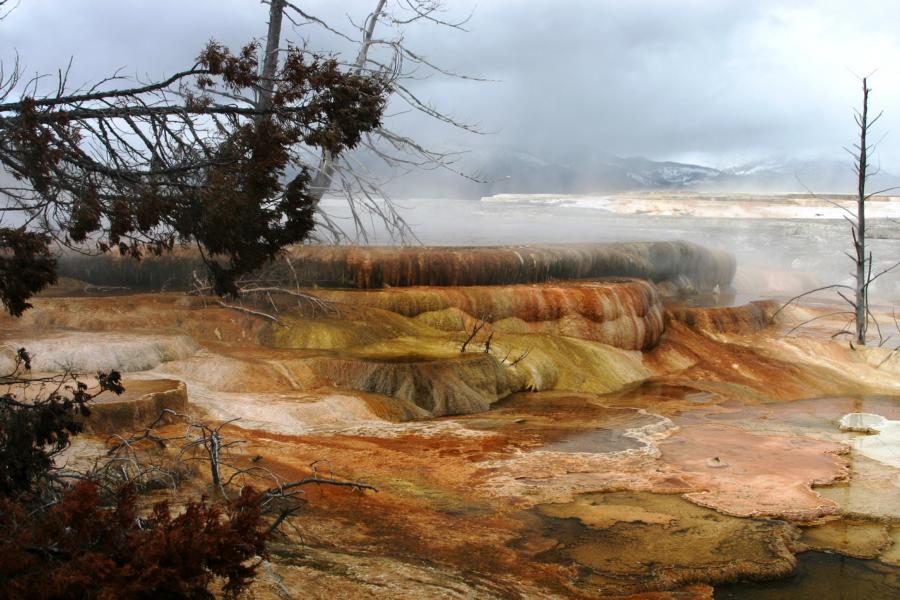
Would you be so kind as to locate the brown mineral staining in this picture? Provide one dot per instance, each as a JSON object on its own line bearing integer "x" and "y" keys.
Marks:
{"x": 631, "y": 542}
{"x": 452, "y": 385}
{"x": 604, "y": 511}
{"x": 626, "y": 314}
{"x": 859, "y": 539}
{"x": 747, "y": 368}
{"x": 151, "y": 313}
{"x": 373, "y": 352}
{"x": 749, "y": 318}
{"x": 604, "y": 445}
{"x": 374, "y": 267}
{"x": 569, "y": 423}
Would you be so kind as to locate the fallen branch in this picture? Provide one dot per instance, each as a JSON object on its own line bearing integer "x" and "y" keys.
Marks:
{"x": 316, "y": 302}
{"x": 255, "y": 313}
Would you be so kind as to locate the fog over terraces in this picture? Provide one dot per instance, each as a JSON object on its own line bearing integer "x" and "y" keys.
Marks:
{"x": 572, "y": 358}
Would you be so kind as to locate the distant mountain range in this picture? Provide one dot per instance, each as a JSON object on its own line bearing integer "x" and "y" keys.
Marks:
{"x": 501, "y": 171}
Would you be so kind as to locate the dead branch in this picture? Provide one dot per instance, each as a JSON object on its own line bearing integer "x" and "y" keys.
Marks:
{"x": 487, "y": 343}
{"x": 315, "y": 302}
{"x": 389, "y": 56}
{"x": 250, "y": 311}
{"x": 520, "y": 358}
{"x": 807, "y": 293}
{"x": 285, "y": 487}
{"x": 475, "y": 329}
{"x": 206, "y": 443}
{"x": 808, "y": 321}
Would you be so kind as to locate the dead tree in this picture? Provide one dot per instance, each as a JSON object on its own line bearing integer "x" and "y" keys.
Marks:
{"x": 488, "y": 347}
{"x": 860, "y": 303}
{"x": 230, "y": 471}
{"x": 856, "y": 296}
{"x": 382, "y": 50}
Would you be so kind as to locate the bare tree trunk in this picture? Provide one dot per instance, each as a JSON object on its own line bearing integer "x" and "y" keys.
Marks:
{"x": 857, "y": 296}
{"x": 321, "y": 183}
{"x": 270, "y": 62}
{"x": 862, "y": 292}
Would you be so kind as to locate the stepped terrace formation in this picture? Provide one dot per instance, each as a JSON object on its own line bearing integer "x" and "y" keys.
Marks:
{"x": 372, "y": 267}
{"x": 540, "y": 422}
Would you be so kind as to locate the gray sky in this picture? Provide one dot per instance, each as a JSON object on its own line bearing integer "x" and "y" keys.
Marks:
{"x": 714, "y": 82}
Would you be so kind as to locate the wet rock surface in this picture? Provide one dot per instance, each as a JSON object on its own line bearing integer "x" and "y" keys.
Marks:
{"x": 631, "y": 542}
{"x": 547, "y": 460}
{"x": 822, "y": 575}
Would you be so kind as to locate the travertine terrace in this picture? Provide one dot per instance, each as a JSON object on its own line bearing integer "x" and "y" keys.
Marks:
{"x": 599, "y": 437}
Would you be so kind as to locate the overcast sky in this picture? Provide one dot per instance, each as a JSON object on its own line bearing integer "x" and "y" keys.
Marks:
{"x": 716, "y": 82}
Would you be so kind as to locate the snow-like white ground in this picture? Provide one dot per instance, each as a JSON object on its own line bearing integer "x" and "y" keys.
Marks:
{"x": 883, "y": 440}
{"x": 717, "y": 206}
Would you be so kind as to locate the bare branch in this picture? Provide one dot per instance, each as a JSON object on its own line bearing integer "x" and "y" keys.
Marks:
{"x": 807, "y": 293}
{"x": 475, "y": 329}
{"x": 252, "y": 312}
{"x": 808, "y": 321}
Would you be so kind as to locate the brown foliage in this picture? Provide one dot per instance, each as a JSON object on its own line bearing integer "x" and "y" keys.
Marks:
{"x": 58, "y": 541}
{"x": 79, "y": 549}
{"x": 34, "y": 431}
{"x": 193, "y": 159}
{"x": 26, "y": 267}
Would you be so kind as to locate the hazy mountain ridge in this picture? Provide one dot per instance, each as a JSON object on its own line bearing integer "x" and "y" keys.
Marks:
{"x": 501, "y": 171}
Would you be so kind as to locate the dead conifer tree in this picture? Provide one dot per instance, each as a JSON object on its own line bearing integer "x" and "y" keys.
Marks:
{"x": 858, "y": 229}
{"x": 857, "y": 296}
